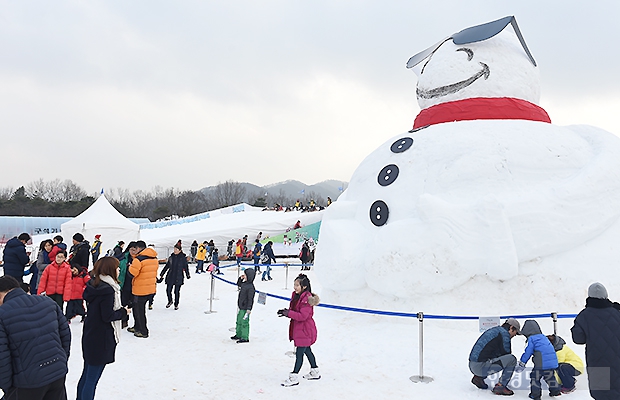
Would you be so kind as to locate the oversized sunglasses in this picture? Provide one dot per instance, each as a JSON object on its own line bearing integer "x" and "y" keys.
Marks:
{"x": 473, "y": 34}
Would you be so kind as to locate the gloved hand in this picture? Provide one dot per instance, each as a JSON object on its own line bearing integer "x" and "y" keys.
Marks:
{"x": 520, "y": 367}
{"x": 188, "y": 277}
{"x": 160, "y": 280}
{"x": 247, "y": 315}
{"x": 283, "y": 312}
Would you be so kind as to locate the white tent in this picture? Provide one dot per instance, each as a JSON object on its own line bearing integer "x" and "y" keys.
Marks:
{"x": 101, "y": 219}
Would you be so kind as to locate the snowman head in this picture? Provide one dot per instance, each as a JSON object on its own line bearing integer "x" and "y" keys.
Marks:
{"x": 482, "y": 61}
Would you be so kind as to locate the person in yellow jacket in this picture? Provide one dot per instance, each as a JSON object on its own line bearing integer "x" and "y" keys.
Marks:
{"x": 570, "y": 364}
{"x": 143, "y": 268}
{"x": 201, "y": 255}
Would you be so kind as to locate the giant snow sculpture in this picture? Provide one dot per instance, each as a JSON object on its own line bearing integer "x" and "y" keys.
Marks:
{"x": 482, "y": 184}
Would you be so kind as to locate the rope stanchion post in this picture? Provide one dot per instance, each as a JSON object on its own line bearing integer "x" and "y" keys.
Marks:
{"x": 211, "y": 296}
{"x": 286, "y": 276}
{"x": 554, "y": 316}
{"x": 421, "y": 378}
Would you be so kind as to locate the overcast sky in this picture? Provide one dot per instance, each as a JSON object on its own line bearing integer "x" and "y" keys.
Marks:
{"x": 187, "y": 94}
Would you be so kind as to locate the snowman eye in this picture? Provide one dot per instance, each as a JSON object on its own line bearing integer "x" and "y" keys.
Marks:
{"x": 470, "y": 53}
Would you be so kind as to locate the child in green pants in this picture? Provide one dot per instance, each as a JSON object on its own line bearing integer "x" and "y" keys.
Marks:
{"x": 244, "y": 302}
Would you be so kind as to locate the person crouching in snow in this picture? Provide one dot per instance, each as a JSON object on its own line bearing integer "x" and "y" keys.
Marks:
{"x": 492, "y": 353}
{"x": 570, "y": 364}
{"x": 75, "y": 306}
{"x": 244, "y": 302}
{"x": 545, "y": 361}
{"x": 302, "y": 329}
{"x": 56, "y": 280}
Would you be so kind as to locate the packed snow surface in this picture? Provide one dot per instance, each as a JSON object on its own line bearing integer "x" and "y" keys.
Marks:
{"x": 361, "y": 356}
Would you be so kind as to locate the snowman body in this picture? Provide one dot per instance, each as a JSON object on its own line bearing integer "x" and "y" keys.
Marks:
{"x": 433, "y": 208}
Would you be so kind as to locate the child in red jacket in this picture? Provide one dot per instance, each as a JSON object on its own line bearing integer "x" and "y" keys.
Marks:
{"x": 75, "y": 306}
{"x": 56, "y": 280}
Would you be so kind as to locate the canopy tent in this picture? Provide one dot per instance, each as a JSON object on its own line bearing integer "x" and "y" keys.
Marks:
{"x": 101, "y": 219}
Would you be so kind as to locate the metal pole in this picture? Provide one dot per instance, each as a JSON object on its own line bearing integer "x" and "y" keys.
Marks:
{"x": 211, "y": 296}
{"x": 554, "y": 316}
{"x": 421, "y": 377}
{"x": 286, "y": 276}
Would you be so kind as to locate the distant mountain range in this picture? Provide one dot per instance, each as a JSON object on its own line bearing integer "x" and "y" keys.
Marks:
{"x": 291, "y": 189}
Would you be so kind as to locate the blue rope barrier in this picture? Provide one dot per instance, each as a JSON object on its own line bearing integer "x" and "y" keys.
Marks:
{"x": 409, "y": 315}
{"x": 261, "y": 265}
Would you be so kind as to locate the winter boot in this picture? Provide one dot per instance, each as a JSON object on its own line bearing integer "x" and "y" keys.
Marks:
{"x": 292, "y": 380}
{"x": 502, "y": 390}
{"x": 313, "y": 374}
{"x": 566, "y": 390}
{"x": 479, "y": 382}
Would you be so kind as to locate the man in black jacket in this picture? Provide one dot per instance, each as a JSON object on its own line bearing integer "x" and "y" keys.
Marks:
{"x": 598, "y": 327}
{"x": 80, "y": 252}
{"x": 35, "y": 336}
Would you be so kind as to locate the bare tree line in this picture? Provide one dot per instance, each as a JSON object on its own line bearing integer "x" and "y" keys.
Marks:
{"x": 66, "y": 198}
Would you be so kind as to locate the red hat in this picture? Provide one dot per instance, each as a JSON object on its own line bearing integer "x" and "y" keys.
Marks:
{"x": 97, "y": 236}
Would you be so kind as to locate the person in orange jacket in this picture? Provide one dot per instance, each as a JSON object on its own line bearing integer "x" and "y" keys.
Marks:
{"x": 56, "y": 280}
{"x": 75, "y": 306}
{"x": 143, "y": 268}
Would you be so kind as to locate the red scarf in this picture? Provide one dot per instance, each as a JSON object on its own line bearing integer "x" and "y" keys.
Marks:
{"x": 480, "y": 108}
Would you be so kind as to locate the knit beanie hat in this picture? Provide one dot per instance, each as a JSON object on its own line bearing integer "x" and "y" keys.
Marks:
{"x": 178, "y": 245}
{"x": 597, "y": 290}
{"x": 78, "y": 237}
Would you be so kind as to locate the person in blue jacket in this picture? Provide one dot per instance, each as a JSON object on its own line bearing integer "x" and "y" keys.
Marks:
{"x": 542, "y": 353}
{"x": 35, "y": 341}
{"x": 15, "y": 257}
{"x": 492, "y": 353}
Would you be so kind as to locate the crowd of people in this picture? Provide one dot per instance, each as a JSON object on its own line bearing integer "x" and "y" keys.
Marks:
{"x": 299, "y": 206}
{"x": 120, "y": 284}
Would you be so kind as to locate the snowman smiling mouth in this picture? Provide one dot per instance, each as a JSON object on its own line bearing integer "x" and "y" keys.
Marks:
{"x": 455, "y": 87}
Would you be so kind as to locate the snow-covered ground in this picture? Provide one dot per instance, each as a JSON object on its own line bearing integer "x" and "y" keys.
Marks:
{"x": 189, "y": 354}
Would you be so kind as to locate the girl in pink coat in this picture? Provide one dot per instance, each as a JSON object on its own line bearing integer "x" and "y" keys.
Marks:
{"x": 302, "y": 330}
